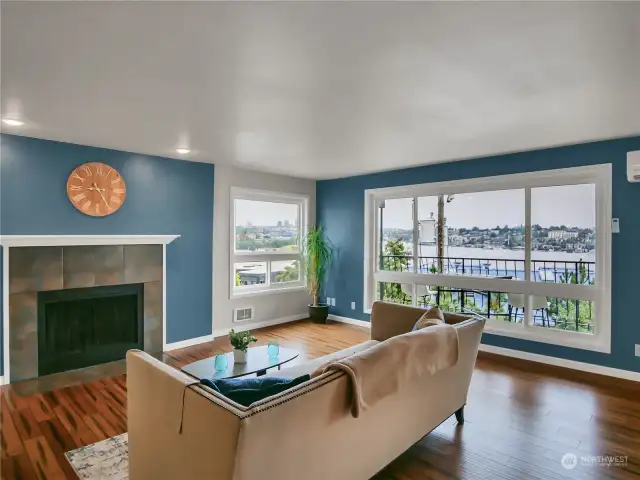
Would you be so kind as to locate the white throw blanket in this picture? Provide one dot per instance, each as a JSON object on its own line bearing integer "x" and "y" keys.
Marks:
{"x": 383, "y": 370}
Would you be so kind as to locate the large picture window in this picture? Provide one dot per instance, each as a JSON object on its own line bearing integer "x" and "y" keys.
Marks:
{"x": 529, "y": 252}
{"x": 265, "y": 242}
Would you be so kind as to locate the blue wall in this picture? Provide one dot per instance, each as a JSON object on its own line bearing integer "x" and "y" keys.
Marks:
{"x": 340, "y": 207}
{"x": 164, "y": 196}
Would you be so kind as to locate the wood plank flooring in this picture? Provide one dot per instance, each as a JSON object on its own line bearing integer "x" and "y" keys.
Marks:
{"x": 519, "y": 423}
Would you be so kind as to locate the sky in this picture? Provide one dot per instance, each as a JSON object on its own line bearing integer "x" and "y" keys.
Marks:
{"x": 264, "y": 213}
{"x": 570, "y": 205}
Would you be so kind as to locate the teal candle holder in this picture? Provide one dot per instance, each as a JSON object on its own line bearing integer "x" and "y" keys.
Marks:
{"x": 221, "y": 362}
{"x": 273, "y": 349}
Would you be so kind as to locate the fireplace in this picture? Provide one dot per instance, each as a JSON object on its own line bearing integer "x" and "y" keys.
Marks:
{"x": 80, "y": 304}
{"x": 81, "y": 327}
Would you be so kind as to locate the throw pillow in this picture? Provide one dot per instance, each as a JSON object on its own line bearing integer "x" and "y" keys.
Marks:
{"x": 433, "y": 316}
{"x": 246, "y": 391}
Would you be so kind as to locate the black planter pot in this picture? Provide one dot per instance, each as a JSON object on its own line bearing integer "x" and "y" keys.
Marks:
{"x": 319, "y": 313}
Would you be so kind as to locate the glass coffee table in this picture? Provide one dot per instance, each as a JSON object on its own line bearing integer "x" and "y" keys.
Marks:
{"x": 258, "y": 361}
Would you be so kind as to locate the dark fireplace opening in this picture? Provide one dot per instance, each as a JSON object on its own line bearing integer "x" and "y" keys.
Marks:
{"x": 81, "y": 327}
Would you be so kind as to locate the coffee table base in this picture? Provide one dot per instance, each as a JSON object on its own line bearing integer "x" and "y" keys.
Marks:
{"x": 260, "y": 373}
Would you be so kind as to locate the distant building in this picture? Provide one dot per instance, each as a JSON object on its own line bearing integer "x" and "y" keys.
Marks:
{"x": 456, "y": 239}
{"x": 251, "y": 274}
{"x": 561, "y": 234}
{"x": 429, "y": 232}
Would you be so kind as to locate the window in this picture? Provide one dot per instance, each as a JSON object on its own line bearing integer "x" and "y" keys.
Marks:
{"x": 529, "y": 252}
{"x": 265, "y": 244}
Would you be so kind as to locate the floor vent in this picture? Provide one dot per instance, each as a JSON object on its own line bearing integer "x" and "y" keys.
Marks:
{"x": 243, "y": 314}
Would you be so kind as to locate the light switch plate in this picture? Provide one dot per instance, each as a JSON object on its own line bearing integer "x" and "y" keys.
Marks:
{"x": 615, "y": 225}
{"x": 638, "y": 350}
{"x": 333, "y": 302}
{"x": 353, "y": 305}
{"x": 329, "y": 301}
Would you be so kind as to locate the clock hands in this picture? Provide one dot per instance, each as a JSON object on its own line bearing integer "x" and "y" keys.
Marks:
{"x": 104, "y": 200}
{"x": 100, "y": 190}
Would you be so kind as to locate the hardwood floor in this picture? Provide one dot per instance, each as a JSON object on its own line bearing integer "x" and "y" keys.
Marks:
{"x": 518, "y": 423}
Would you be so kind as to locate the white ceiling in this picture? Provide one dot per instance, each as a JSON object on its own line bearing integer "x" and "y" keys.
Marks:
{"x": 322, "y": 89}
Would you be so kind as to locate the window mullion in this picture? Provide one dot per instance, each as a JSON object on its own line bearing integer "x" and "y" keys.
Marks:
{"x": 528, "y": 242}
{"x": 416, "y": 233}
{"x": 267, "y": 280}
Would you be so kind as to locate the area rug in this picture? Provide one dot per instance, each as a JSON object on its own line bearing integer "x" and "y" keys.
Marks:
{"x": 108, "y": 459}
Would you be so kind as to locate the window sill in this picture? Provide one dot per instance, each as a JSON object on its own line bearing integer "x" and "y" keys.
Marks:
{"x": 267, "y": 291}
{"x": 563, "y": 338}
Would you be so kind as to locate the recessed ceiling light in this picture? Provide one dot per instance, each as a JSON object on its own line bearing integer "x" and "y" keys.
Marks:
{"x": 182, "y": 151}
{"x": 13, "y": 122}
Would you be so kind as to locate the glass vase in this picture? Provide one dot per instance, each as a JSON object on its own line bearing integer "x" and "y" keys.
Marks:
{"x": 221, "y": 362}
{"x": 273, "y": 349}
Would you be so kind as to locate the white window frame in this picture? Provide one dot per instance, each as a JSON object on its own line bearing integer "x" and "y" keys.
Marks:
{"x": 600, "y": 293}
{"x": 302, "y": 201}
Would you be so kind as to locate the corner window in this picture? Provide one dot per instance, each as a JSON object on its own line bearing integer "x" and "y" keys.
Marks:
{"x": 529, "y": 252}
{"x": 265, "y": 244}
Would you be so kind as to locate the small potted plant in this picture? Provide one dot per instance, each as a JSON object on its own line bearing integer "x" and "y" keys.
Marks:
{"x": 317, "y": 254}
{"x": 240, "y": 342}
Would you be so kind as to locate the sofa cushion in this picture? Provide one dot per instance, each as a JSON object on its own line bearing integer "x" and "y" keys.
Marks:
{"x": 433, "y": 316}
{"x": 246, "y": 391}
{"x": 310, "y": 366}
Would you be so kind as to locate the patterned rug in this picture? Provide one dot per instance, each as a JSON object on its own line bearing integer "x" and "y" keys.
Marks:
{"x": 108, "y": 459}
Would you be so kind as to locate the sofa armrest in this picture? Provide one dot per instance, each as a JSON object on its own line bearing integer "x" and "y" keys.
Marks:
{"x": 157, "y": 404}
{"x": 390, "y": 319}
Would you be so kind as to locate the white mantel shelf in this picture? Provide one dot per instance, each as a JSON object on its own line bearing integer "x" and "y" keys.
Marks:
{"x": 73, "y": 240}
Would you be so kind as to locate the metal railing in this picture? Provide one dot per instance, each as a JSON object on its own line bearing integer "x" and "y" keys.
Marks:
{"x": 566, "y": 314}
{"x": 554, "y": 271}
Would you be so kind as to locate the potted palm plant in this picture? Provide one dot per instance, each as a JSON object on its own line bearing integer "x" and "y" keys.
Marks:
{"x": 317, "y": 253}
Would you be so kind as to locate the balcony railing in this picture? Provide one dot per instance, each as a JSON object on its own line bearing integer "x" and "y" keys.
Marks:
{"x": 559, "y": 313}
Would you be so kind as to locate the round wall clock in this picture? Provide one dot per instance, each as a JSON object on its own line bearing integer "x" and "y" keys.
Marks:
{"x": 96, "y": 189}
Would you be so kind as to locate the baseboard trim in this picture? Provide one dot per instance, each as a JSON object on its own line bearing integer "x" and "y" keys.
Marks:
{"x": 241, "y": 327}
{"x": 532, "y": 357}
{"x": 188, "y": 343}
{"x": 563, "y": 363}
{"x": 350, "y": 321}
{"x": 1, "y": 380}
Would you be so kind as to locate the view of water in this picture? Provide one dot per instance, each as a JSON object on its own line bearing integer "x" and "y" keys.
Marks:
{"x": 502, "y": 262}
{"x": 506, "y": 254}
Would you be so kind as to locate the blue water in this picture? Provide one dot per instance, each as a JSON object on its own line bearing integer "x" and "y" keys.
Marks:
{"x": 542, "y": 274}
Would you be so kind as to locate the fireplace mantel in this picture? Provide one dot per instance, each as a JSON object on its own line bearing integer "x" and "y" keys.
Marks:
{"x": 74, "y": 240}
{"x": 65, "y": 241}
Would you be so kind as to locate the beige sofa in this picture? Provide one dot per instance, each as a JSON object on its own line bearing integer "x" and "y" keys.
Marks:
{"x": 305, "y": 433}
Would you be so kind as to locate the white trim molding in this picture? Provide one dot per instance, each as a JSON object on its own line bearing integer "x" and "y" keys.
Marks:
{"x": 5, "y": 314}
{"x": 73, "y": 240}
{"x": 600, "y": 176}
{"x": 190, "y": 342}
{"x": 1, "y": 381}
{"x": 561, "y": 362}
{"x": 241, "y": 327}
{"x": 350, "y": 321}
{"x": 534, "y": 357}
